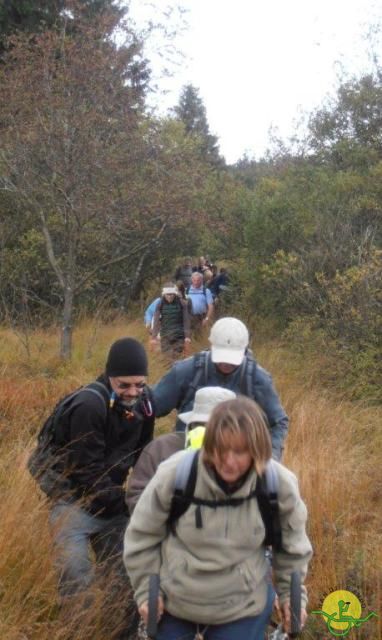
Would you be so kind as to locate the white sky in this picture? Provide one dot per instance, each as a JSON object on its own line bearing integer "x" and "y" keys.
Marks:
{"x": 259, "y": 63}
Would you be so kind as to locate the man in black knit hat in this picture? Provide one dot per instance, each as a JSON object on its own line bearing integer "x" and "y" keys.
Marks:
{"x": 99, "y": 438}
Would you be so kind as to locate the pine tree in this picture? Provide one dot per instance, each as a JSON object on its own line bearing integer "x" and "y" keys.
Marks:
{"x": 38, "y": 15}
{"x": 192, "y": 112}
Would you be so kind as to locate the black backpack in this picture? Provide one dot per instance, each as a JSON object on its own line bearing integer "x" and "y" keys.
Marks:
{"x": 44, "y": 461}
{"x": 160, "y": 305}
{"x": 266, "y": 493}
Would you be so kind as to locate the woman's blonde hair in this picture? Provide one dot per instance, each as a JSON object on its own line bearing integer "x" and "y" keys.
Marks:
{"x": 207, "y": 275}
{"x": 240, "y": 416}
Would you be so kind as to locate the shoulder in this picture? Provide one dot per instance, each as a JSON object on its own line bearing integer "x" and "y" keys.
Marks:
{"x": 165, "y": 445}
{"x": 262, "y": 375}
{"x": 92, "y": 396}
{"x": 184, "y": 367}
{"x": 88, "y": 411}
{"x": 284, "y": 474}
{"x": 288, "y": 489}
{"x": 208, "y": 293}
{"x": 163, "y": 481}
{"x": 293, "y": 511}
{"x": 158, "y": 491}
{"x": 167, "y": 468}
{"x": 180, "y": 372}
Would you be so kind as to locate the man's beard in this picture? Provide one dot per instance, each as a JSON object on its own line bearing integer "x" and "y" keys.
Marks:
{"x": 128, "y": 404}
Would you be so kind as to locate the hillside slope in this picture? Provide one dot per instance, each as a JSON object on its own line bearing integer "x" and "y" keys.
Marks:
{"x": 334, "y": 446}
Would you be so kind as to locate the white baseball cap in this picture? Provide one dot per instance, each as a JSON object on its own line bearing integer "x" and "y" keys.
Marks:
{"x": 169, "y": 290}
{"x": 229, "y": 339}
{"x": 205, "y": 401}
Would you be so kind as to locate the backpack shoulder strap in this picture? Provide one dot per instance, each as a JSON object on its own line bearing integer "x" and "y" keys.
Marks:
{"x": 267, "y": 497}
{"x": 102, "y": 389}
{"x": 266, "y": 492}
{"x": 184, "y": 486}
{"x": 66, "y": 405}
{"x": 201, "y": 369}
{"x": 184, "y": 483}
{"x": 205, "y": 363}
{"x": 97, "y": 388}
{"x": 248, "y": 374}
{"x": 271, "y": 478}
{"x": 200, "y": 375}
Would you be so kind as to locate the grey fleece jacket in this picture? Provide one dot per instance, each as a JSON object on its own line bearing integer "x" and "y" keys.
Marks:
{"x": 218, "y": 573}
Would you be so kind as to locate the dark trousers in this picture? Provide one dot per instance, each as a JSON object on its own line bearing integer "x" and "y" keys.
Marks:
{"x": 172, "y": 347}
{"x": 196, "y": 323}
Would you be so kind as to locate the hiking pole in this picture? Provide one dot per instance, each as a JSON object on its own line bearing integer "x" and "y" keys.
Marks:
{"x": 295, "y": 604}
{"x": 295, "y": 611}
{"x": 152, "y": 618}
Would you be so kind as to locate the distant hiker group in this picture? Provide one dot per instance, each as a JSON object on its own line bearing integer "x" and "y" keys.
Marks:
{"x": 186, "y": 305}
{"x": 215, "y": 281}
{"x": 201, "y": 503}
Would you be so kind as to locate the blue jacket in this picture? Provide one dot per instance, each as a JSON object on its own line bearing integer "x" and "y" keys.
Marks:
{"x": 172, "y": 391}
{"x": 149, "y": 312}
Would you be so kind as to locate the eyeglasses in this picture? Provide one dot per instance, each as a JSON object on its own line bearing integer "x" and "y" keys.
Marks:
{"x": 128, "y": 385}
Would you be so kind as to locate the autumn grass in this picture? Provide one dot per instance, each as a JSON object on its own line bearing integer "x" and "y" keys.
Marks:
{"x": 334, "y": 446}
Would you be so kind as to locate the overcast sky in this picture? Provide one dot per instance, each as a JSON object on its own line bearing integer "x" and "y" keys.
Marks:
{"x": 259, "y": 63}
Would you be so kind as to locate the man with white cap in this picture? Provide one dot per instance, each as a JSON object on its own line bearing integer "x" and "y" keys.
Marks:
{"x": 161, "y": 448}
{"x": 171, "y": 322}
{"x": 228, "y": 364}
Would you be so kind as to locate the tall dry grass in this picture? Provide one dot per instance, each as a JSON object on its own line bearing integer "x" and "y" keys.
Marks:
{"x": 334, "y": 447}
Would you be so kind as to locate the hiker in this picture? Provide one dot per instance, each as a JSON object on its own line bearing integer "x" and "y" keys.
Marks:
{"x": 214, "y": 573}
{"x": 201, "y": 303}
{"x": 181, "y": 290}
{"x": 212, "y": 281}
{"x": 207, "y": 278}
{"x": 184, "y": 272}
{"x": 229, "y": 364}
{"x": 208, "y": 262}
{"x": 149, "y": 314}
{"x": 201, "y": 265}
{"x": 164, "y": 446}
{"x": 99, "y": 439}
{"x": 222, "y": 281}
{"x": 218, "y": 283}
{"x": 171, "y": 321}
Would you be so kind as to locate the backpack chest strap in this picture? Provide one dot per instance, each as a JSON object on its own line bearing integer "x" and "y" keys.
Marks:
{"x": 224, "y": 502}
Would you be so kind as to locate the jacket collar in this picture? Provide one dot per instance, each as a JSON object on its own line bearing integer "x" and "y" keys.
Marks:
{"x": 209, "y": 487}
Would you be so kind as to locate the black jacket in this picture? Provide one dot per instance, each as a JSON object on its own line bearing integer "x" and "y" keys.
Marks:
{"x": 99, "y": 450}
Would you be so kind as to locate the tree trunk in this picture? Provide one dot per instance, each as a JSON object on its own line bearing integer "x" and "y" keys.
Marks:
{"x": 67, "y": 326}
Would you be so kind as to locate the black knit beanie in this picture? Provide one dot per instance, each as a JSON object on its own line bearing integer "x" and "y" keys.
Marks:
{"x": 127, "y": 357}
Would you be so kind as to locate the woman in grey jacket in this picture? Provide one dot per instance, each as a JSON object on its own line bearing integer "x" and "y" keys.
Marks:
{"x": 215, "y": 577}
